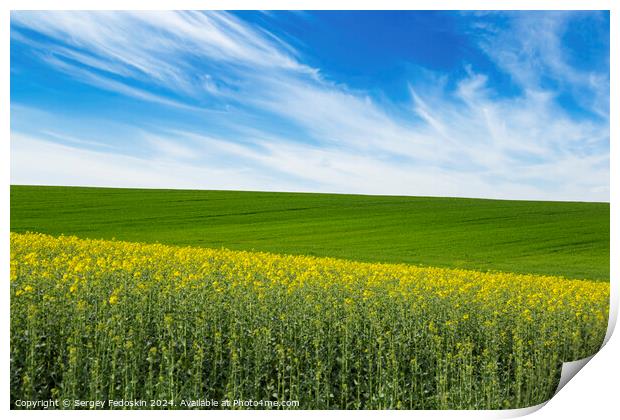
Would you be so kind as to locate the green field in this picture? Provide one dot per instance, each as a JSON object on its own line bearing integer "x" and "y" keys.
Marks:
{"x": 560, "y": 238}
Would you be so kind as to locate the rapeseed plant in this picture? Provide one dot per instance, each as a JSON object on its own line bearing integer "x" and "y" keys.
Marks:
{"x": 95, "y": 319}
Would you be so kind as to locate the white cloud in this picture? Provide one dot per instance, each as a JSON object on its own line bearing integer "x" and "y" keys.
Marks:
{"x": 530, "y": 49}
{"x": 35, "y": 161}
{"x": 155, "y": 44}
{"x": 463, "y": 142}
{"x": 106, "y": 83}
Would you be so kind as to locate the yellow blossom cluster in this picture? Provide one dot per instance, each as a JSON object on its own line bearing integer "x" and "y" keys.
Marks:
{"x": 96, "y": 319}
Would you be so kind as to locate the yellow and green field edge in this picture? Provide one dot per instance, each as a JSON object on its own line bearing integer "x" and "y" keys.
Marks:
{"x": 110, "y": 320}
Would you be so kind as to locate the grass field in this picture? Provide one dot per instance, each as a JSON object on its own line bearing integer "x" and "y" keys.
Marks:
{"x": 556, "y": 238}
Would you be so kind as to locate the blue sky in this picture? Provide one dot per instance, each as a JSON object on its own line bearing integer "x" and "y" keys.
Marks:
{"x": 474, "y": 104}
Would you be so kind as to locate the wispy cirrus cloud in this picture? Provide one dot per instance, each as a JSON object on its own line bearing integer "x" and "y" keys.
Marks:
{"x": 288, "y": 126}
{"x": 530, "y": 49}
{"x": 157, "y": 45}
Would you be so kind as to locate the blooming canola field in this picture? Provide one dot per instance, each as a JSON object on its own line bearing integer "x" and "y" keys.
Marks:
{"x": 111, "y": 320}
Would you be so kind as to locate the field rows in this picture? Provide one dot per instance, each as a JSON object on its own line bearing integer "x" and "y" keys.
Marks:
{"x": 527, "y": 237}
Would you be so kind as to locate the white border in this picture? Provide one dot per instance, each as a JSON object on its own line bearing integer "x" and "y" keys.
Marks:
{"x": 592, "y": 395}
{"x": 312, "y": 5}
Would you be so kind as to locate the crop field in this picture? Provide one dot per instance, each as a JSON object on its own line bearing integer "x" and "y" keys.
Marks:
{"x": 333, "y": 301}
{"x": 102, "y": 319}
{"x": 528, "y": 237}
